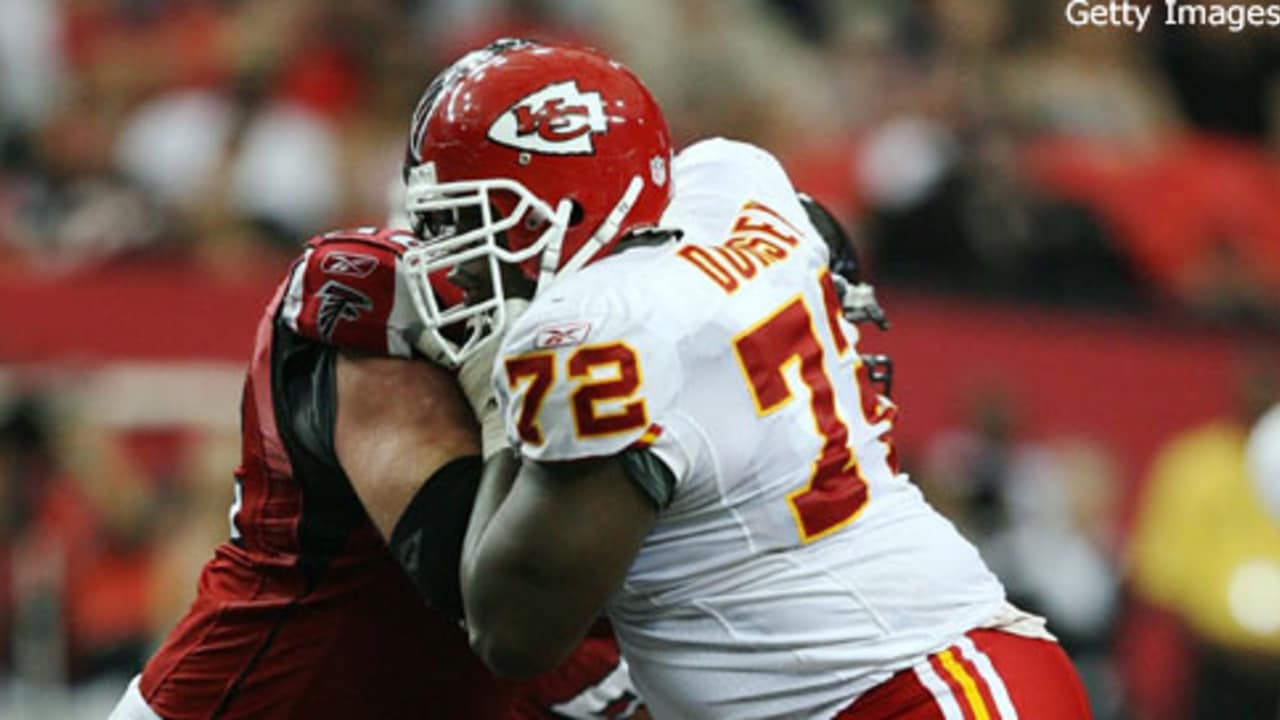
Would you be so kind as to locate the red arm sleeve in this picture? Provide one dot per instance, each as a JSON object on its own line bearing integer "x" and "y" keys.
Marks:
{"x": 348, "y": 290}
{"x": 591, "y": 684}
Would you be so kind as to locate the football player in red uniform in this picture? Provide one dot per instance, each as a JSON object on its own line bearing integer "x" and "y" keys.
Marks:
{"x": 350, "y": 442}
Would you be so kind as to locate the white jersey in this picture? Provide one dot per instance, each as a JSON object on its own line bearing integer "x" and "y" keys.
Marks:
{"x": 794, "y": 568}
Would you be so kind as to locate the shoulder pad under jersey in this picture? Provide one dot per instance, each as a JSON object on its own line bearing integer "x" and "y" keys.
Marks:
{"x": 583, "y": 373}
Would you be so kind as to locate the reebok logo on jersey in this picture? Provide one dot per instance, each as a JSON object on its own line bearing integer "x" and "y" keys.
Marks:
{"x": 564, "y": 334}
{"x": 559, "y": 119}
{"x": 356, "y": 265}
{"x": 339, "y": 302}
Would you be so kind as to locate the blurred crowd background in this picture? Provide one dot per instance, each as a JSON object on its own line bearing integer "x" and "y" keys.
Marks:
{"x": 1076, "y": 233}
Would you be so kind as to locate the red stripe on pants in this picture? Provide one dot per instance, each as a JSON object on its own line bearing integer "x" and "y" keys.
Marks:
{"x": 1039, "y": 678}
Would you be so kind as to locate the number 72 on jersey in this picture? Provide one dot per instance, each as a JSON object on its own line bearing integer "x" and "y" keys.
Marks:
{"x": 610, "y": 373}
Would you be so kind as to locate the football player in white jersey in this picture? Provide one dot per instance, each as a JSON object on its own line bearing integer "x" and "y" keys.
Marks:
{"x": 679, "y": 431}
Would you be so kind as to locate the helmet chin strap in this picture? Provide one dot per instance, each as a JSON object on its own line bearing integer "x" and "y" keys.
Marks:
{"x": 551, "y": 255}
{"x": 604, "y": 233}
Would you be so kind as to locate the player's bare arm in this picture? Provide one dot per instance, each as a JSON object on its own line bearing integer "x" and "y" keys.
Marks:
{"x": 544, "y": 553}
{"x": 398, "y": 422}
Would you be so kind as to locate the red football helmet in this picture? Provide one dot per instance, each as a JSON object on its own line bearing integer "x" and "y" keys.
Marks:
{"x": 538, "y": 155}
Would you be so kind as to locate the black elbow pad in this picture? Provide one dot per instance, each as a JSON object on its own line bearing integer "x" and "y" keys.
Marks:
{"x": 427, "y": 539}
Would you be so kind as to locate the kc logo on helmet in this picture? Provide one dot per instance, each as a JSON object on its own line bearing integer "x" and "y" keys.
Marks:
{"x": 559, "y": 119}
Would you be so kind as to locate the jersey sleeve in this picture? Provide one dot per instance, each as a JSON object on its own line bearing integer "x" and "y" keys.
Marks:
{"x": 719, "y": 179}
{"x": 578, "y": 380}
{"x": 348, "y": 289}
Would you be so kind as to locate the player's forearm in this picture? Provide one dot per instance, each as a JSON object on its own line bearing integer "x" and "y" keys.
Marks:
{"x": 506, "y": 628}
{"x": 552, "y": 551}
{"x": 495, "y": 483}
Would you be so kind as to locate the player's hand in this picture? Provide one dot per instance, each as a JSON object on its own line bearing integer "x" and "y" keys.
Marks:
{"x": 475, "y": 377}
{"x": 441, "y": 351}
{"x": 432, "y": 346}
{"x": 858, "y": 302}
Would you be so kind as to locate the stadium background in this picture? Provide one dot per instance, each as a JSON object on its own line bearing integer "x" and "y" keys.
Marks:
{"x": 1076, "y": 234}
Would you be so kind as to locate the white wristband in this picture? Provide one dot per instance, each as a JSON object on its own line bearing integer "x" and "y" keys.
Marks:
{"x": 493, "y": 434}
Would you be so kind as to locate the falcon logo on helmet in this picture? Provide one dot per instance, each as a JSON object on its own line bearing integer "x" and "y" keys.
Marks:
{"x": 559, "y": 119}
